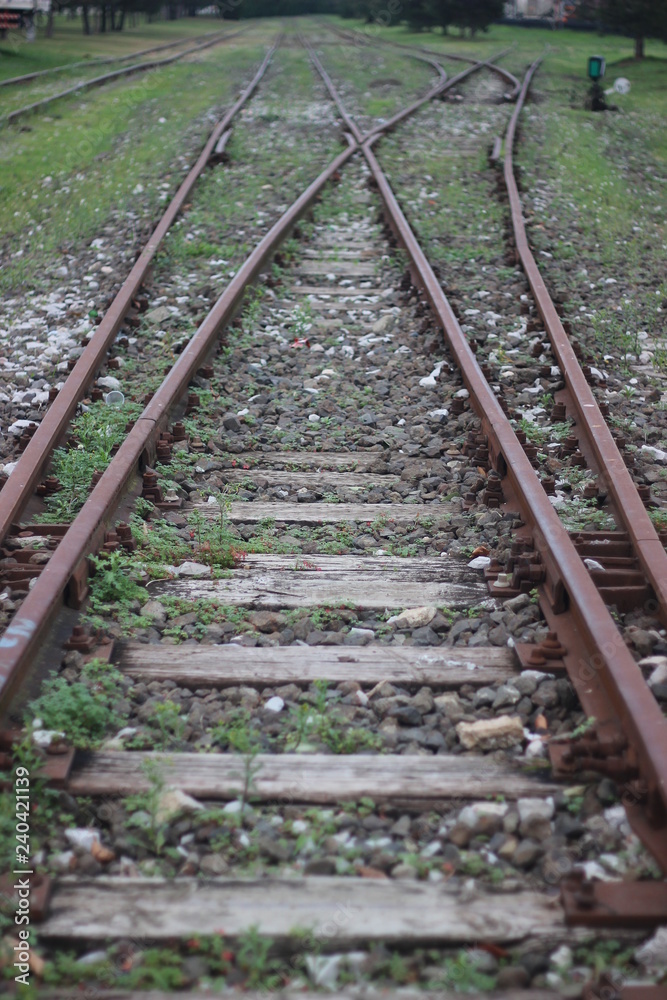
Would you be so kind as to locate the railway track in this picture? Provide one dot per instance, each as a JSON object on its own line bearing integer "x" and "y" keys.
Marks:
{"x": 366, "y": 701}
{"x": 17, "y": 114}
{"x": 92, "y": 62}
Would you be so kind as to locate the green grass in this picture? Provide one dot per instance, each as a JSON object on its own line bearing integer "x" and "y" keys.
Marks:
{"x": 374, "y": 81}
{"x": 69, "y": 44}
{"x": 592, "y": 184}
{"x": 107, "y": 154}
{"x": 229, "y": 205}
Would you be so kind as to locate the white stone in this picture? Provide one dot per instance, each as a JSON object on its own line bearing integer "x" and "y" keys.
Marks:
{"x": 172, "y": 802}
{"x": 655, "y": 454}
{"x": 491, "y": 734}
{"x": 613, "y": 863}
{"x": 18, "y": 427}
{"x": 232, "y": 807}
{"x": 93, "y": 958}
{"x": 299, "y": 826}
{"x": 323, "y": 970}
{"x": 360, "y": 636}
{"x": 83, "y": 839}
{"x": 193, "y": 569}
{"x": 275, "y": 704}
{"x": 653, "y": 953}
{"x": 532, "y": 809}
{"x": 109, "y": 382}
{"x": 45, "y": 737}
{"x": 616, "y": 817}
{"x": 62, "y": 862}
{"x": 413, "y": 617}
{"x": 536, "y": 749}
{"x": 592, "y": 870}
{"x": 155, "y": 611}
{"x": 562, "y": 957}
{"x": 385, "y": 324}
{"x": 658, "y": 667}
{"x": 479, "y": 562}
{"x": 471, "y": 814}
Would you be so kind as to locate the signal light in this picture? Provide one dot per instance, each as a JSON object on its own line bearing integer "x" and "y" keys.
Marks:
{"x": 596, "y": 67}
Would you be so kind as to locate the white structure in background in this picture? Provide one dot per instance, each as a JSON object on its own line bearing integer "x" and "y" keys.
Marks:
{"x": 532, "y": 8}
{"x": 17, "y": 13}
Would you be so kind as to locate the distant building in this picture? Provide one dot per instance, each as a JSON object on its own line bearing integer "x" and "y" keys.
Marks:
{"x": 529, "y": 8}
{"x": 20, "y": 13}
{"x": 556, "y": 11}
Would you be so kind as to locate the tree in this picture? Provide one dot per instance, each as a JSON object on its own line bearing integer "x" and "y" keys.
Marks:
{"x": 638, "y": 19}
{"x": 477, "y": 15}
{"x": 471, "y": 15}
{"x": 419, "y": 14}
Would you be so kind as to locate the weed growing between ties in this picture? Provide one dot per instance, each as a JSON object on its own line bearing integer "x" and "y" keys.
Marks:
{"x": 83, "y": 710}
{"x": 320, "y": 723}
{"x": 302, "y": 961}
{"x": 94, "y": 436}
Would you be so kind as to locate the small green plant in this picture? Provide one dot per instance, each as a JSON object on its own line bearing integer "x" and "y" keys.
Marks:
{"x": 113, "y": 588}
{"x": 659, "y": 518}
{"x": 159, "y": 969}
{"x": 460, "y": 975}
{"x": 166, "y": 725}
{"x": 215, "y": 544}
{"x": 84, "y": 710}
{"x": 254, "y": 959}
{"x": 95, "y": 433}
{"x": 239, "y": 735}
{"x": 144, "y": 808}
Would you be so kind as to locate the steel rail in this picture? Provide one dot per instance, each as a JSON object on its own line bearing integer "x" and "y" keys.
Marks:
{"x": 85, "y": 63}
{"x": 357, "y": 37}
{"x": 30, "y": 466}
{"x": 98, "y": 81}
{"x": 635, "y": 519}
{"x": 22, "y": 636}
{"x": 440, "y": 88}
{"x": 498, "y": 70}
{"x": 435, "y": 92}
{"x": 604, "y": 652}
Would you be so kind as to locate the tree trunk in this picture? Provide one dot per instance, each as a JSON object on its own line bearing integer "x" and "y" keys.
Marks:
{"x": 86, "y": 22}
{"x": 112, "y": 19}
{"x": 49, "y": 23}
{"x": 121, "y": 21}
{"x": 639, "y": 48}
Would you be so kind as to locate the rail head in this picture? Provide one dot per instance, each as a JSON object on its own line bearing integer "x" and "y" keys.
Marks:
{"x": 603, "y": 648}
{"x": 30, "y": 465}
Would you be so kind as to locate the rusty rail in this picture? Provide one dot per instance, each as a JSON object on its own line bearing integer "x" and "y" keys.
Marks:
{"x": 439, "y": 88}
{"x": 21, "y": 639}
{"x": 22, "y": 636}
{"x": 600, "y": 666}
{"x": 98, "y": 81}
{"x": 358, "y": 38}
{"x": 86, "y": 63}
{"x": 608, "y": 680}
{"x": 30, "y": 466}
{"x": 629, "y": 506}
